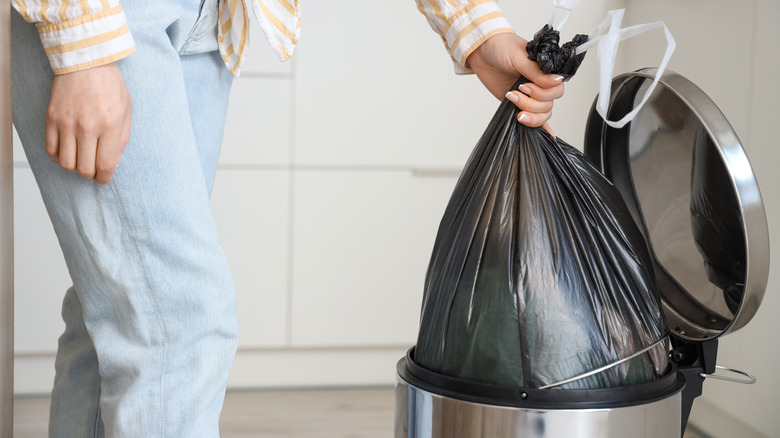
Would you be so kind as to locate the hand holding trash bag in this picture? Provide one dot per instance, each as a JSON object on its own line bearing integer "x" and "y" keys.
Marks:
{"x": 538, "y": 273}
{"x": 500, "y": 61}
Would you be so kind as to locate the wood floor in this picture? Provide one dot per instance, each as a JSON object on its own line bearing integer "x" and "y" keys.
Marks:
{"x": 343, "y": 413}
{"x": 353, "y": 413}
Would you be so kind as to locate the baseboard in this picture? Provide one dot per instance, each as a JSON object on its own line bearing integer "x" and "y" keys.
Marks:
{"x": 259, "y": 368}
{"x": 714, "y": 422}
{"x": 33, "y": 374}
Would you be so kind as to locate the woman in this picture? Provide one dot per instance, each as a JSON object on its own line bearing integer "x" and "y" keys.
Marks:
{"x": 120, "y": 108}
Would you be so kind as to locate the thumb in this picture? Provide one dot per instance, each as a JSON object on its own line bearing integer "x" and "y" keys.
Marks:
{"x": 531, "y": 71}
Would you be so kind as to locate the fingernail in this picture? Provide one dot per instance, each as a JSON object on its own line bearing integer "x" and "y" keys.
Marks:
{"x": 512, "y": 97}
{"x": 556, "y": 78}
{"x": 522, "y": 117}
{"x": 525, "y": 90}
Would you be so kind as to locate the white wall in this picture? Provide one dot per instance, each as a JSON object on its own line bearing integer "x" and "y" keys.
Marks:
{"x": 731, "y": 51}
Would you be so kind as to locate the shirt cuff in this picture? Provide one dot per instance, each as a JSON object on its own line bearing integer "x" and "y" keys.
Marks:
{"x": 468, "y": 29}
{"x": 88, "y": 41}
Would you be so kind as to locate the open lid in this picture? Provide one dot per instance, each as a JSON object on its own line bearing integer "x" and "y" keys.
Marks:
{"x": 689, "y": 186}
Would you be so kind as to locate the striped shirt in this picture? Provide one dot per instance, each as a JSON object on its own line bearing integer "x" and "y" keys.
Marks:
{"x": 81, "y": 34}
{"x": 464, "y": 25}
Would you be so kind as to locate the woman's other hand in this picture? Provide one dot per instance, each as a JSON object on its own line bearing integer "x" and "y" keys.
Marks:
{"x": 88, "y": 121}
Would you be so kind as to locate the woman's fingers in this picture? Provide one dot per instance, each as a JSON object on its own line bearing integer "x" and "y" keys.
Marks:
{"x": 531, "y": 71}
{"x": 109, "y": 153}
{"x": 529, "y": 104}
{"x": 542, "y": 94}
{"x": 52, "y": 141}
{"x": 124, "y": 137}
{"x": 534, "y": 113}
{"x": 67, "y": 150}
{"x": 533, "y": 120}
{"x": 85, "y": 164}
{"x": 92, "y": 157}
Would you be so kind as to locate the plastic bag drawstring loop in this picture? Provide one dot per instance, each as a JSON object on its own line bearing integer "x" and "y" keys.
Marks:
{"x": 567, "y": 6}
{"x": 606, "y": 37}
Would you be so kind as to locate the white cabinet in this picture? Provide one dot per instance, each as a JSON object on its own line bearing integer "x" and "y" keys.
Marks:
{"x": 40, "y": 275}
{"x": 261, "y": 61}
{"x": 251, "y": 209}
{"x": 374, "y": 86}
{"x": 362, "y": 241}
{"x": 257, "y": 129}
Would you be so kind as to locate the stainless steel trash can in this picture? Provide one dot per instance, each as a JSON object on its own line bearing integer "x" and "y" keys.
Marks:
{"x": 432, "y": 405}
{"x": 656, "y": 163}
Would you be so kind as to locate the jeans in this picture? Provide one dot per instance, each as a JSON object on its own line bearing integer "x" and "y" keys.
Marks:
{"x": 151, "y": 327}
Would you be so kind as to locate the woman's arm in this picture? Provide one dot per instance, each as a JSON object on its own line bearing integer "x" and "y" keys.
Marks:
{"x": 88, "y": 119}
{"x": 480, "y": 40}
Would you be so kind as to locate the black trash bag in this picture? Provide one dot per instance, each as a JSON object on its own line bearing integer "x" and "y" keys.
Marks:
{"x": 538, "y": 272}
{"x": 716, "y": 221}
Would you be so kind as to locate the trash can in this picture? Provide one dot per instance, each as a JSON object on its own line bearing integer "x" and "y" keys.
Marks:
{"x": 689, "y": 186}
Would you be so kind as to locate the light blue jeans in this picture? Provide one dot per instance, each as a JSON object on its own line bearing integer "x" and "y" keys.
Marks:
{"x": 151, "y": 327}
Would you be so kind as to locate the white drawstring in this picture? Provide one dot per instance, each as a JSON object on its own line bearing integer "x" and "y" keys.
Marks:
{"x": 607, "y": 36}
{"x": 567, "y": 6}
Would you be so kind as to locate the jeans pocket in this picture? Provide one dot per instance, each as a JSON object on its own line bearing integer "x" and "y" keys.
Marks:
{"x": 203, "y": 35}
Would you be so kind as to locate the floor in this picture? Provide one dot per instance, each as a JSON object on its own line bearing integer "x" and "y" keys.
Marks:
{"x": 343, "y": 413}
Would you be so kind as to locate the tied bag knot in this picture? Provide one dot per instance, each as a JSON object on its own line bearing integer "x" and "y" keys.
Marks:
{"x": 544, "y": 48}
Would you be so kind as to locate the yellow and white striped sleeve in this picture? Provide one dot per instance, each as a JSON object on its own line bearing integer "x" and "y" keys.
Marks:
{"x": 79, "y": 34}
{"x": 464, "y": 25}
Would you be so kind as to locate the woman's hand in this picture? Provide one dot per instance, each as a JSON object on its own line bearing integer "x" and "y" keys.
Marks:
{"x": 500, "y": 61}
{"x": 88, "y": 121}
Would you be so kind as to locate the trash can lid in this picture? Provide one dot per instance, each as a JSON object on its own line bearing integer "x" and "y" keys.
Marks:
{"x": 689, "y": 186}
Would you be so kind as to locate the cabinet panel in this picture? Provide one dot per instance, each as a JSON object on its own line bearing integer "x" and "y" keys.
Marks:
{"x": 261, "y": 60}
{"x": 374, "y": 85}
{"x": 40, "y": 275}
{"x": 257, "y": 129}
{"x": 362, "y": 241}
{"x": 250, "y": 208}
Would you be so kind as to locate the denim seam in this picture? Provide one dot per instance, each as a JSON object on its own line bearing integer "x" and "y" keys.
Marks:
{"x": 147, "y": 290}
{"x": 194, "y": 29}
{"x": 97, "y": 419}
{"x": 191, "y": 35}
